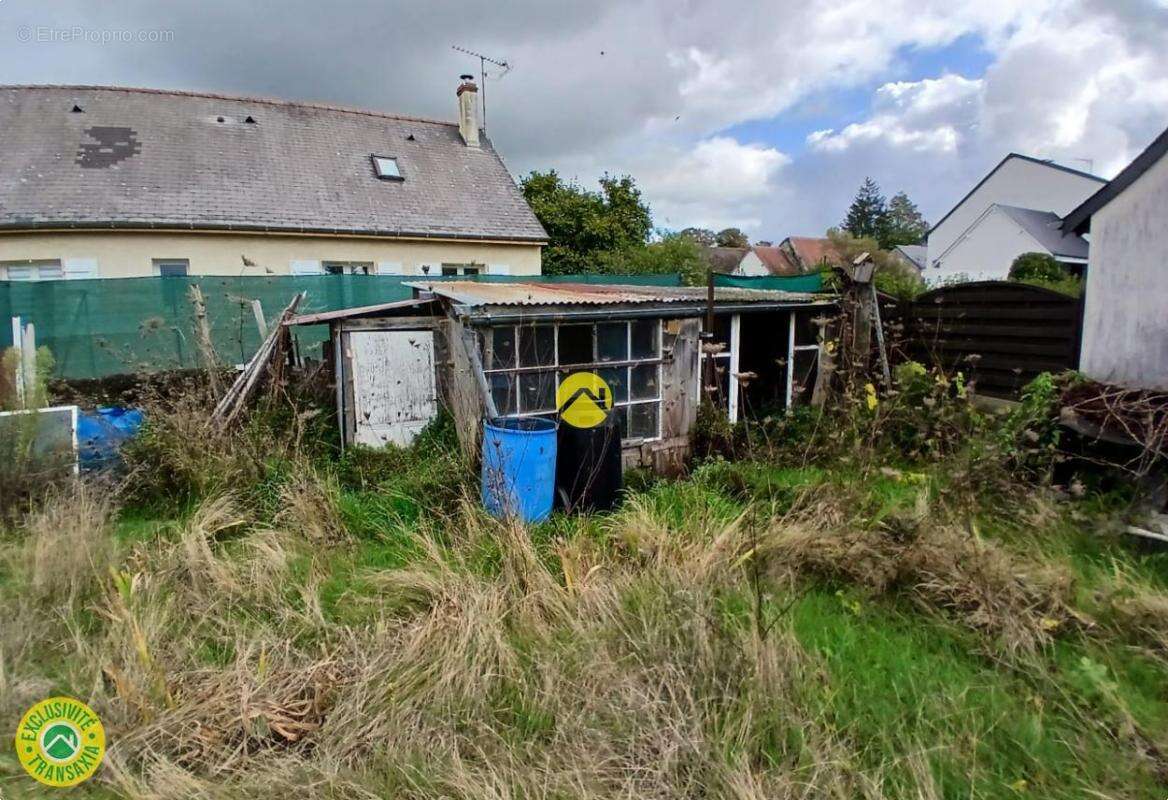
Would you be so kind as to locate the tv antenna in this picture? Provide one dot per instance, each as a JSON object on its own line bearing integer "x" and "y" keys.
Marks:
{"x": 483, "y": 60}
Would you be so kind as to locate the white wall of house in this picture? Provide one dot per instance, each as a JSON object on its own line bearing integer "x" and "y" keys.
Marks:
{"x": 1125, "y": 321}
{"x": 124, "y": 254}
{"x": 985, "y": 250}
{"x": 1017, "y": 182}
{"x": 751, "y": 265}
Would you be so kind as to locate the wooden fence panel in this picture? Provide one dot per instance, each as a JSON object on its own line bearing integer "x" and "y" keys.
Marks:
{"x": 999, "y": 334}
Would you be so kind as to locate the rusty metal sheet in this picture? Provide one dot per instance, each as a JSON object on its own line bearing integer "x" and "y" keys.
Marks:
{"x": 471, "y": 293}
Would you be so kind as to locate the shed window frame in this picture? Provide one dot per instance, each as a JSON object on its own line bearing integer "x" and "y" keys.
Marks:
{"x": 381, "y": 173}
{"x": 511, "y": 378}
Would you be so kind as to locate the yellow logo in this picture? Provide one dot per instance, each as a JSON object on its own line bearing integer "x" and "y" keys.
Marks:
{"x": 584, "y": 399}
{"x": 60, "y": 741}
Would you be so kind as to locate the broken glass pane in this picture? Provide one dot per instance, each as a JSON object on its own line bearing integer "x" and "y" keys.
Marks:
{"x": 612, "y": 341}
{"x": 618, "y": 381}
{"x": 537, "y": 391}
{"x": 537, "y": 346}
{"x": 503, "y": 392}
{"x": 645, "y": 338}
{"x": 622, "y": 419}
{"x": 576, "y": 344}
{"x": 503, "y": 342}
{"x": 643, "y": 421}
{"x": 644, "y": 384}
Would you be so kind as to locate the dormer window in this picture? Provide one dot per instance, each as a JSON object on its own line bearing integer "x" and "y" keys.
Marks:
{"x": 386, "y": 168}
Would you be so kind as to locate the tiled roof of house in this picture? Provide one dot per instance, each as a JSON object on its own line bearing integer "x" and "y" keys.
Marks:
{"x": 143, "y": 158}
{"x": 811, "y": 252}
{"x": 724, "y": 259}
{"x": 775, "y": 260}
{"x": 1043, "y": 227}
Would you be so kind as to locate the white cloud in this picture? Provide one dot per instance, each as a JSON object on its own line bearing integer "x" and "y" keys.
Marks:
{"x": 651, "y": 86}
{"x": 717, "y": 183}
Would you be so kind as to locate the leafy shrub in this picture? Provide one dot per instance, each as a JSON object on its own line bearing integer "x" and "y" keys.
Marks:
{"x": 1036, "y": 266}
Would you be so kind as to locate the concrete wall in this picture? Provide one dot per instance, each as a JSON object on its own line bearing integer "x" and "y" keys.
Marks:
{"x": 1017, "y": 182}
{"x": 1125, "y": 323}
{"x": 131, "y": 254}
{"x": 985, "y": 251}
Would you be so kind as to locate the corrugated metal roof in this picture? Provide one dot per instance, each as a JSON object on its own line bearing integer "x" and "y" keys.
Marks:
{"x": 470, "y": 293}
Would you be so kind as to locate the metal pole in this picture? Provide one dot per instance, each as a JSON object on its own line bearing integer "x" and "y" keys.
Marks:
{"x": 709, "y": 375}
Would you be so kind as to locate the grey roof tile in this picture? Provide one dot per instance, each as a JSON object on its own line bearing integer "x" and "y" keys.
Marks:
{"x": 1044, "y": 227}
{"x": 141, "y": 157}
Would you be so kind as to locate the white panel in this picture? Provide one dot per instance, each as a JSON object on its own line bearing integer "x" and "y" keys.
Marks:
{"x": 80, "y": 268}
{"x": 394, "y": 392}
{"x": 498, "y": 269}
{"x": 389, "y": 268}
{"x": 21, "y": 273}
{"x": 307, "y": 268}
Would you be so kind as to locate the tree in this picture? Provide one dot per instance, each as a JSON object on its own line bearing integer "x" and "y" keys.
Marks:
{"x": 867, "y": 215}
{"x": 903, "y": 224}
{"x": 1036, "y": 267}
{"x": 731, "y": 237}
{"x": 699, "y": 236}
{"x": 582, "y": 224}
{"x": 672, "y": 252}
{"x": 892, "y": 276}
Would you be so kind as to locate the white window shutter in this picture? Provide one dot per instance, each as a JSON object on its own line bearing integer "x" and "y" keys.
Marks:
{"x": 389, "y": 268}
{"x": 20, "y": 274}
{"x": 80, "y": 268}
{"x": 498, "y": 269}
{"x": 307, "y": 268}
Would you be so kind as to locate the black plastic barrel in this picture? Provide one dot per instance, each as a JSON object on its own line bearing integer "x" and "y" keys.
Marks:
{"x": 588, "y": 467}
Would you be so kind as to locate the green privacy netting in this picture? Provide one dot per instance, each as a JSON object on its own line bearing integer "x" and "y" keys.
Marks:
{"x": 786, "y": 283}
{"x": 99, "y": 327}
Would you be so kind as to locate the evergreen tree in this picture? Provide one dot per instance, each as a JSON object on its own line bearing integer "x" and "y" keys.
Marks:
{"x": 867, "y": 214}
{"x": 904, "y": 223}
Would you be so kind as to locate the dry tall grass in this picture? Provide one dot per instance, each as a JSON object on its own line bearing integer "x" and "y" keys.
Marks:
{"x": 613, "y": 669}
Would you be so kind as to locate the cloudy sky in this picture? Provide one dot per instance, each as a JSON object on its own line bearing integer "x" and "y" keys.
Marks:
{"x": 765, "y": 115}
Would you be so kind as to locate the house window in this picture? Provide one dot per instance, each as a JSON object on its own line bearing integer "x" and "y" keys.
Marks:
{"x": 172, "y": 267}
{"x": 451, "y": 270}
{"x": 348, "y": 268}
{"x": 46, "y": 270}
{"x": 525, "y": 363}
{"x": 386, "y": 168}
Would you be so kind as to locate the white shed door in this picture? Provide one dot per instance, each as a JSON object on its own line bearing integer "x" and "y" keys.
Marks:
{"x": 394, "y": 395}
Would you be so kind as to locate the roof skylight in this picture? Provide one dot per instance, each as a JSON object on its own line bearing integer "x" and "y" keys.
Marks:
{"x": 386, "y": 168}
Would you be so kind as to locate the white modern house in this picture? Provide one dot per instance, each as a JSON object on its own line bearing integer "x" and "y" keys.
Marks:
{"x": 1125, "y": 318}
{"x": 1012, "y": 210}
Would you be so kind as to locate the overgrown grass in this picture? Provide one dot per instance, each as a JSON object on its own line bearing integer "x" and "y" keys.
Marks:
{"x": 846, "y": 621}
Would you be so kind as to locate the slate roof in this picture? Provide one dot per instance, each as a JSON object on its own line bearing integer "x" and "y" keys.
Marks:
{"x": 1044, "y": 226}
{"x": 145, "y": 158}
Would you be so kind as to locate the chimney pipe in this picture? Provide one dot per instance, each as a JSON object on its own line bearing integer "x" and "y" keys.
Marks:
{"x": 468, "y": 111}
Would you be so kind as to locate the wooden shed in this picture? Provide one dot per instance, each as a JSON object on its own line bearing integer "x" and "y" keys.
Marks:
{"x": 501, "y": 349}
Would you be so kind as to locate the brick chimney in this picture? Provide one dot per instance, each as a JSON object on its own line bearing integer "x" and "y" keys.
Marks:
{"x": 468, "y": 111}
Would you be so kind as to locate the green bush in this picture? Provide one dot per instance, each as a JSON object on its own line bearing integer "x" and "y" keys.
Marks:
{"x": 1036, "y": 266}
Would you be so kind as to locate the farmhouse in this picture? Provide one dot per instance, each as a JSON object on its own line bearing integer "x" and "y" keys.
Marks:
{"x": 104, "y": 182}
{"x": 1125, "y": 328}
{"x": 500, "y": 350}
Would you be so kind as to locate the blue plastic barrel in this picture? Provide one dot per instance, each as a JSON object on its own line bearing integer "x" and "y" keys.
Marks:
{"x": 101, "y": 433}
{"x": 519, "y": 467}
